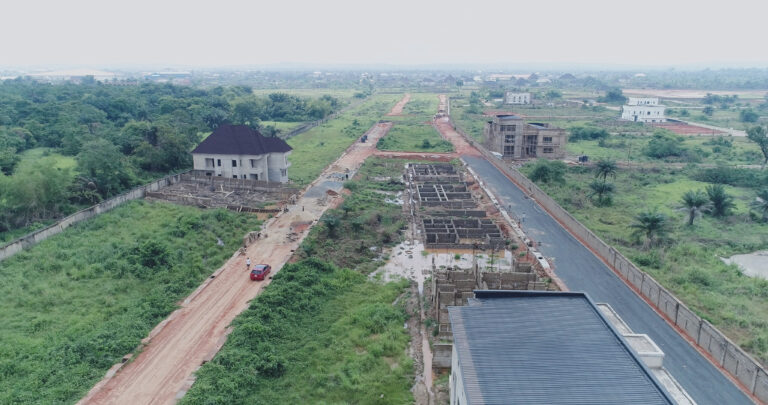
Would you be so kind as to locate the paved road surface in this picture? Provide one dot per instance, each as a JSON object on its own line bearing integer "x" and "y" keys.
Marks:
{"x": 583, "y": 271}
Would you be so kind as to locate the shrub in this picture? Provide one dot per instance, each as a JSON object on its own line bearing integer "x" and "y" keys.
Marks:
{"x": 663, "y": 145}
{"x": 546, "y": 171}
{"x": 587, "y": 133}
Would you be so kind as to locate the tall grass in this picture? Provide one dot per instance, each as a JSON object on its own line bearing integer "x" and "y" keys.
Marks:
{"x": 73, "y": 305}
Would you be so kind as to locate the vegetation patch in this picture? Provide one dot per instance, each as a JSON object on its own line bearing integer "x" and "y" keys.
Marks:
{"x": 321, "y": 332}
{"x": 414, "y": 138}
{"x": 75, "y": 304}
{"x": 657, "y": 220}
{"x": 317, "y": 148}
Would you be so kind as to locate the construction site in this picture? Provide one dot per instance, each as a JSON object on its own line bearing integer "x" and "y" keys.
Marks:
{"x": 466, "y": 244}
{"x": 242, "y": 195}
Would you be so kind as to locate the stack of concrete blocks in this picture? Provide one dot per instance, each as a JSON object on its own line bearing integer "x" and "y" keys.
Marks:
{"x": 451, "y": 288}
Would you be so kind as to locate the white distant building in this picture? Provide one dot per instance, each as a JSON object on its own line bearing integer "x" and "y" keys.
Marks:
{"x": 643, "y": 109}
{"x": 517, "y": 98}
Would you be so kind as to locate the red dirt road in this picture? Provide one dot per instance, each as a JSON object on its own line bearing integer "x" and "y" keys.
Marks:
{"x": 197, "y": 330}
{"x": 443, "y": 125}
{"x": 398, "y": 108}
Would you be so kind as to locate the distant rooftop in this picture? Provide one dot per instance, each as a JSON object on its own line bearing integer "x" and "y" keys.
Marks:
{"x": 546, "y": 348}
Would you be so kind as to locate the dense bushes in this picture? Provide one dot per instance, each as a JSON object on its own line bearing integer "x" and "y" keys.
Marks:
{"x": 733, "y": 176}
{"x": 579, "y": 133}
{"x": 664, "y": 144}
{"x": 73, "y": 305}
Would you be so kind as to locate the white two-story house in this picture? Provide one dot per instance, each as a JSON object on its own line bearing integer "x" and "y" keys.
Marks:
{"x": 240, "y": 152}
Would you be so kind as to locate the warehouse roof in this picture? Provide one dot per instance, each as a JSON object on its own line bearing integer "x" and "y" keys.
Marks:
{"x": 240, "y": 140}
{"x": 546, "y": 348}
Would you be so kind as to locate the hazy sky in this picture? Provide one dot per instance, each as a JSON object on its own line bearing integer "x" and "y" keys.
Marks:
{"x": 224, "y": 33}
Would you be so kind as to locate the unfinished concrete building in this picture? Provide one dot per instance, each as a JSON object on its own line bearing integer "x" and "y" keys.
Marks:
{"x": 196, "y": 188}
{"x": 513, "y": 138}
{"x": 451, "y": 217}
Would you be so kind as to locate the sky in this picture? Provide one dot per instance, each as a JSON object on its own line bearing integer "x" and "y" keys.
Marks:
{"x": 226, "y": 33}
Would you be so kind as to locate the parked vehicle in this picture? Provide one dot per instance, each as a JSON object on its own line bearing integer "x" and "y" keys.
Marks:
{"x": 260, "y": 271}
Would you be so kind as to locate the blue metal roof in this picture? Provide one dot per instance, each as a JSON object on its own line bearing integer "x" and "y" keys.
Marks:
{"x": 525, "y": 347}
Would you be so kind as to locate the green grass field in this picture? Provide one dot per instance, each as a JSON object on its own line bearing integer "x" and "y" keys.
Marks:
{"x": 630, "y": 147}
{"x": 414, "y": 138}
{"x": 323, "y": 332}
{"x": 317, "y": 148}
{"x": 73, "y": 305}
{"x": 48, "y": 157}
{"x": 689, "y": 263}
{"x": 722, "y": 118}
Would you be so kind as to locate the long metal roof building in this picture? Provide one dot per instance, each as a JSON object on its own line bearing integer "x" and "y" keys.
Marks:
{"x": 533, "y": 347}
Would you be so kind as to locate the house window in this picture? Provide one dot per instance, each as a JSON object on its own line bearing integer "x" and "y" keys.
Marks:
{"x": 509, "y": 138}
{"x": 253, "y": 163}
{"x": 208, "y": 174}
{"x": 549, "y": 150}
{"x": 547, "y": 139}
{"x": 234, "y": 163}
{"x": 254, "y": 176}
{"x": 509, "y": 150}
{"x": 283, "y": 172}
{"x": 208, "y": 163}
{"x": 234, "y": 176}
{"x": 218, "y": 162}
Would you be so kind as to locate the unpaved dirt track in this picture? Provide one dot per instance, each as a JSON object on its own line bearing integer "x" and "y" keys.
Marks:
{"x": 398, "y": 108}
{"x": 198, "y": 329}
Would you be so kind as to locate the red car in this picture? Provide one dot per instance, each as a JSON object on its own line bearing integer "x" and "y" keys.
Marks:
{"x": 260, "y": 271}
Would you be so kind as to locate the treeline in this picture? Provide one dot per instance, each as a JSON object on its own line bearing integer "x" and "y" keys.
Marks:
{"x": 120, "y": 136}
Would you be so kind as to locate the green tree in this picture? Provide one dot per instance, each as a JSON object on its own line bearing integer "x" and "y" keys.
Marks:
{"x": 651, "y": 225}
{"x": 761, "y": 204}
{"x": 748, "y": 116}
{"x": 102, "y": 163}
{"x": 332, "y": 223}
{"x": 546, "y": 171}
{"x": 722, "y": 202}
{"x": 614, "y": 95}
{"x": 605, "y": 168}
{"x": 663, "y": 145}
{"x": 693, "y": 203}
{"x": 603, "y": 191}
{"x": 708, "y": 111}
{"x": 759, "y": 136}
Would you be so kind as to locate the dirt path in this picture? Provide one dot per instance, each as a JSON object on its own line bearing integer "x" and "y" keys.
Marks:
{"x": 196, "y": 331}
{"x": 443, "y": 125}
{"x": 398, "y": 108}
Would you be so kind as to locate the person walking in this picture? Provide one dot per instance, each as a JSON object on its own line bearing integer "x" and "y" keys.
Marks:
{"x": 247, "y": 263}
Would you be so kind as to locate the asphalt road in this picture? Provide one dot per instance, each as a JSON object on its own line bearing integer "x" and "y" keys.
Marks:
{"x": 581, "y": 270}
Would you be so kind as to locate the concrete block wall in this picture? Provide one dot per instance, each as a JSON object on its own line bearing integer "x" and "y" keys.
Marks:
{"x": 38, "y": 236}
{"x": 441, "y": 355}
{"x": 749, "y": 372}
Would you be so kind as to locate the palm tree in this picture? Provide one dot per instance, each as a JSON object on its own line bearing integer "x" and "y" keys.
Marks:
{"x": 761, "y": 203}
{"x": 651, "y": 225}
{"x": 603, "y": 192}
{"x": 721, "y": 201}
{"x": 605, "y": 168}
{"x": 693, "y": 202}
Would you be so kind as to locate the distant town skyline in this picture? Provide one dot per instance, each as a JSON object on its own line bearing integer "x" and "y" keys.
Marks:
{"x": 397, "y": 33}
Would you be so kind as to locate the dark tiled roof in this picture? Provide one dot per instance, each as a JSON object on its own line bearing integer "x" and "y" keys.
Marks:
{"x": 240, "y": 140}
{"x": 546, "y": 348}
